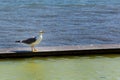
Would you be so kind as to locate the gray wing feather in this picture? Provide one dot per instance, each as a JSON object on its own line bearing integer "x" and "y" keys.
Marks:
{"x": 29, "y": 40}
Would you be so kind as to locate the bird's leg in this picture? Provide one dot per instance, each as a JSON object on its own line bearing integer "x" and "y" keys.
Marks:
{"x": 32, "y": 48}
{"x": 35, "y": 50}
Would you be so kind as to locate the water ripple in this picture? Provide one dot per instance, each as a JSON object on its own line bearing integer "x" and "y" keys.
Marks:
{"x": 65, "y": 23}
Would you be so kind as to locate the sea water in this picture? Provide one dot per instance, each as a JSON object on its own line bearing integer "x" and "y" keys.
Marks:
{"x": 65, "y": 22}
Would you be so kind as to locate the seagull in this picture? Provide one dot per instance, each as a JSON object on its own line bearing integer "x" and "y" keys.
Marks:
{"x": 32, "y": 41}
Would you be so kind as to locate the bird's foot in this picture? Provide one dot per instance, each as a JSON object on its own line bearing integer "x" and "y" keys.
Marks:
{"x": 34, "y": 50}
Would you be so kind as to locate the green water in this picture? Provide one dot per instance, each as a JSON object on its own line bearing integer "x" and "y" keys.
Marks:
{"x": 97, "y": 67}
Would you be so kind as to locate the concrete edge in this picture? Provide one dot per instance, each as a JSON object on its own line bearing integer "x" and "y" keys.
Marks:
{"x": 60, "y": 51}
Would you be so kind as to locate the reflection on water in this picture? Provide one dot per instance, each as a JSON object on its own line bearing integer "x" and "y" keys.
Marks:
{"x": 61, "y": 68}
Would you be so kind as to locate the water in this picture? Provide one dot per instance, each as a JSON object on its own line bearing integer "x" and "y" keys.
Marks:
{"x": 66, "y": 22}
{"x": 105, "y": 67}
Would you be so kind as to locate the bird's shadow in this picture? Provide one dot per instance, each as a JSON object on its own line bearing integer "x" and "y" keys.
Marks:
{"x": 23, "y": 51}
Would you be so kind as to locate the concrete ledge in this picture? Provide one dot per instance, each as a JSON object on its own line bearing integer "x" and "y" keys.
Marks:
{"x": 61, "y": 50}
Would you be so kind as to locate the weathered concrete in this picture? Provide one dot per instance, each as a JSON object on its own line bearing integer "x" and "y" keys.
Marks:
{"x": 61, "y": 50}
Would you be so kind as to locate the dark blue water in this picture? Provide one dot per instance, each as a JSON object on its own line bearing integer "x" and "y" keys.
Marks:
{"x": 66, "y": 22}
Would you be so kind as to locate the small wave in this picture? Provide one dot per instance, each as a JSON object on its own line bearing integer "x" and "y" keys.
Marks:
{"x": 33, "y": 6}
{"x": 48, "y": 16}
{"x": 99, "y": 38}
{"x": 115, "y": 30}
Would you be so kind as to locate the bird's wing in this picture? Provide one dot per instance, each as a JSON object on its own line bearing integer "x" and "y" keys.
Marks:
{"x": 29, "y": 40}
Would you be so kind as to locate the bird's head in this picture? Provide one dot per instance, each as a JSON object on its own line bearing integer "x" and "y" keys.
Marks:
{"x": 41, "y": 32}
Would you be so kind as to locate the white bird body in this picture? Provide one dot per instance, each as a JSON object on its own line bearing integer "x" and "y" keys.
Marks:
{"x": 37, "y": 41}
{"x": 32, "y": 41}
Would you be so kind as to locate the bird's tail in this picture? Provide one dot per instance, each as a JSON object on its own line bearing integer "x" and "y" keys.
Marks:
{"x": 18, "y": 41}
